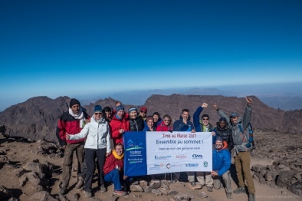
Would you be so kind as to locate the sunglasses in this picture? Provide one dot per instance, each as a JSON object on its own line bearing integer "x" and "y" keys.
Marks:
{"x": 97, "y": 113}
{"x": 205, "y": 119}
{"x": 143, "y": 112}
{"x": 167, "y": 120}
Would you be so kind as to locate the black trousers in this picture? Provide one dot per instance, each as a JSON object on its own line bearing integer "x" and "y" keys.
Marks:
{"x": 90, "y": 156}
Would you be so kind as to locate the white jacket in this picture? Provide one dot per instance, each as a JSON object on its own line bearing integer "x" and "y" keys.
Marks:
{"x": 98, "y": 135}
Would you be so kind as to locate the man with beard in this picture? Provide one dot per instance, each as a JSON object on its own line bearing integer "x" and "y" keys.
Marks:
{"x": 71, "y": 122}
{"x": 242, "y": 147}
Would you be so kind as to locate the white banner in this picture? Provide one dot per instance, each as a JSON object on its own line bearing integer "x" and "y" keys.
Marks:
{"x": 178, "y": 152}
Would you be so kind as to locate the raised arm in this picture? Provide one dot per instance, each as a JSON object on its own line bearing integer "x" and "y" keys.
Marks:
{"x": 247, "y": 113}
{"x": 196, "y": 116}
{"x": 221, "y": 113}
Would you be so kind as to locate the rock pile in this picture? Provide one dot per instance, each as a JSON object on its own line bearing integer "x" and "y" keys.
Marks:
{"x": 280, "y": 174}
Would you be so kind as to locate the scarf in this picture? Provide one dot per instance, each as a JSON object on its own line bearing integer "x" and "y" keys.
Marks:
{"x": 117, "y": 156}
{"x": 118, "y": 117}
{"x": 79, "y": 116}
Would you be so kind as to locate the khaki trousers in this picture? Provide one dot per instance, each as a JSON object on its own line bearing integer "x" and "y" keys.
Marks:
{"x": 242, "y": 164}
{"x": 67, "y": 161}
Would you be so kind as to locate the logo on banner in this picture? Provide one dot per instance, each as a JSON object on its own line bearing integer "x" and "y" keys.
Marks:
{"x": 205, "y": 164}
{"x": 191, "y": 164}
{"x": 197, "y": 156}
{"x": 161, "y": 157}
{"x": 132, "y": 146}
{"x": 168, "y": 166}
{"x": 181, "y": 156}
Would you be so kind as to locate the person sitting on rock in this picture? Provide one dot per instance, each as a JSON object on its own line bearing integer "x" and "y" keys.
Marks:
{"x": 113, "y": 170}
{"x": 71, "y": 122}
{"x": 97, "y": 146}
{"x": 221, "y": 164}
{"x": 242, "y": 147}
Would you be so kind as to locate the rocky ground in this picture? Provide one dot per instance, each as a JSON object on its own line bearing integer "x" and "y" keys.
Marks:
{"x": 31, "y": 171}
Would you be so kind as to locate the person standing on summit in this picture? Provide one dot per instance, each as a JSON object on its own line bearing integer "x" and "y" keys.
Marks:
{"x": 71, "y": 122}
{"x": 242, "y": 147}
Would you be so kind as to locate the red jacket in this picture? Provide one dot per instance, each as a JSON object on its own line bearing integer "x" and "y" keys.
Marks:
{"x": 117, "y": 124}
{"x": 163, "y": 127}
{"x": 111, "y": 163}
{"x": 68, "y": 124}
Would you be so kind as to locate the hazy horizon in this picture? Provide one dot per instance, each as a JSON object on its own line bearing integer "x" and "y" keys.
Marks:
{"x": 59, "y": 47}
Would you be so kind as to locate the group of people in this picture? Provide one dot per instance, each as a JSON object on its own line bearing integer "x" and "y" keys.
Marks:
{"x": 100, "y": 138}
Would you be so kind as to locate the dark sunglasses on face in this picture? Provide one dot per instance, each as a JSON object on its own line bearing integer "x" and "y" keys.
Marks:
{"x": 167, "y": 120}
{"x": 143, "y": 112}
{"x": 205, "y": 119}
{"x": 97, "y": 113}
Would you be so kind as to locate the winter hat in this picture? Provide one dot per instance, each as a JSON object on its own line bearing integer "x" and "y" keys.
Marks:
{"x": 144, "y": 109}
{"x": 218, "y": 138}
{"x": 222, "y": 119}
{"x": 74, "y": 101}
{"x": 132, "y": 109}
{"x": 120, "y": 107}
{"x": 97, "y": 108}
{"x": 233, "y": 114}
{"x": 205, "y": 115}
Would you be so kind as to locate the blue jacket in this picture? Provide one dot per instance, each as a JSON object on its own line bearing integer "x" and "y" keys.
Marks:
{"x": 179, "y": 125}
{"x": 196, "y": 120}
{"x": 221, "y": 161}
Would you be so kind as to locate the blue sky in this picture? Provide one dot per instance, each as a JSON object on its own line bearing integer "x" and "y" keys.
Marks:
{"x": 57, "y": 47}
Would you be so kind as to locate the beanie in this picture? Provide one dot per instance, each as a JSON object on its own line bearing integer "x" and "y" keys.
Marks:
{"x": 218, "y": 138}
{"x": 97, "y": 108}
{"x": 120, "y": 107}
{"x": 222, "y": 119}
{"x": 144, "y": 109}
{"x": 74, "y": 101}
{"x": 132, "y": 109}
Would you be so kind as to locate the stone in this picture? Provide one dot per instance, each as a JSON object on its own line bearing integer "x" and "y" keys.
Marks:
{"x": 268, "y": 176}
{"x": 41, "y": 196}
{"x": 284, "y": 178}
{"x": 143, "y": 184}
{"x": 155, "y": 184}
{"x": 23, "y": 180}
{"x": 156, "y": 192}
{"x": 182, "y": 197}
{"x": 3, "y": 159}
{"x": 5, "y": 193}
{"x": 296, "y": 188}
{"x": 172, "y": 192}
{"x": 136, "y": 188}
{"x": 257, "y": 168}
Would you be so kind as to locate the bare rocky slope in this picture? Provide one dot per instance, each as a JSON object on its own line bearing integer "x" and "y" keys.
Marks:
{"x": 37, "y": 117}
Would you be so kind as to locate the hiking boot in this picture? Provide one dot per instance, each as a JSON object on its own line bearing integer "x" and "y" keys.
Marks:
{"x": 251, "y": 197}
{"x": 229, "y": 195}
{"x": 210, "y": 189}
{"x": 241, "y": 189}
{"x": 88, "y": 193}
{"x": 80, "y": 183}
{"x": 63, "y": 190}
{"x": 193, "y": 184}
{"x": 103, "y": 189}
{"x": 119, "y": 193}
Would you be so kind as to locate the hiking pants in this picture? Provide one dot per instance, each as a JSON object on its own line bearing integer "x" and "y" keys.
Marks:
{"x": 242, "y": 164}
{"x": 67, "y": 161}
{"x": 226, "y": 177}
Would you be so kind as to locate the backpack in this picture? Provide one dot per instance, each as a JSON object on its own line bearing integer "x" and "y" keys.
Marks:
{"x": 250, "y": 142}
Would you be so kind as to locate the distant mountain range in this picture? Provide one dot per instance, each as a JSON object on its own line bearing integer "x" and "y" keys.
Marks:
{"x": 37, "y": 117}
{"x": 273, "y": 99}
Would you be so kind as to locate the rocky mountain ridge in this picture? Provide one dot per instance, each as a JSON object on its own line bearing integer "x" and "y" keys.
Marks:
{"x": 37, "y": 117}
